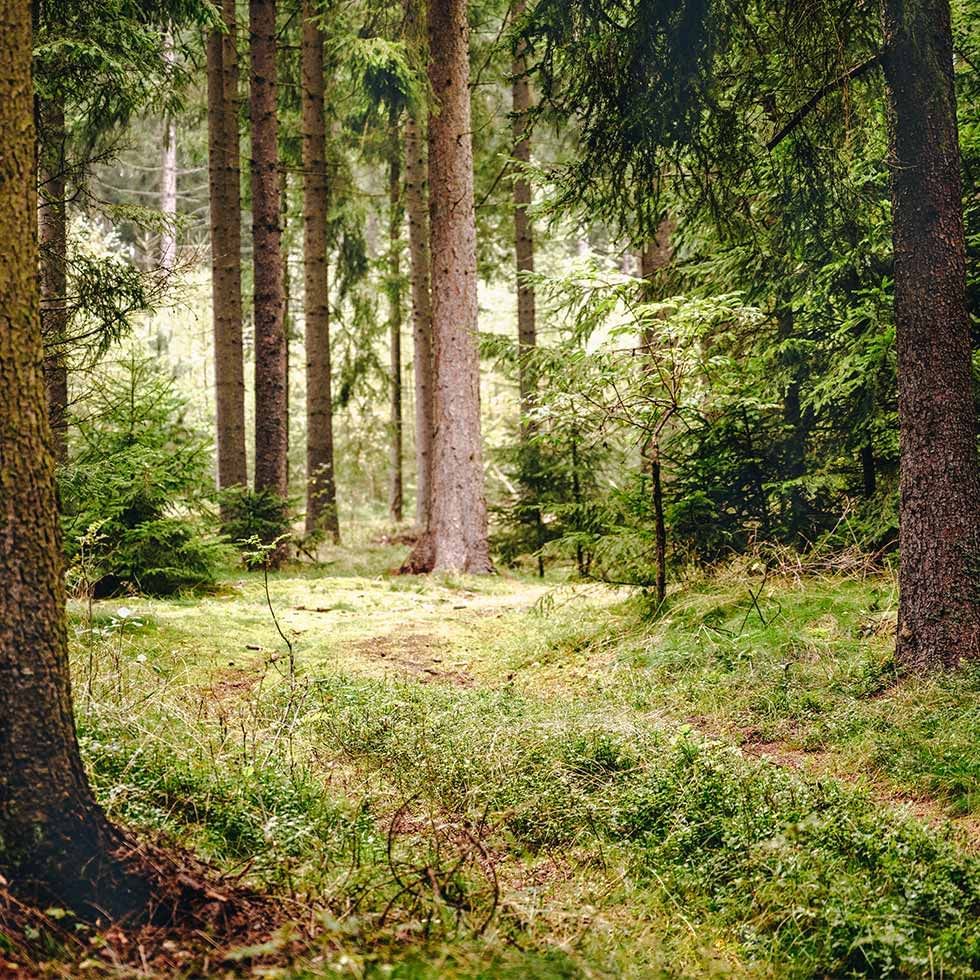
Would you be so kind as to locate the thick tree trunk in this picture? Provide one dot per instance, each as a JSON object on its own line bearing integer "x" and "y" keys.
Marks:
{"x": 457, "y": 535}
{"x": 53, "y": 222}
{"x": 226, "y": 270}
{"x": 416, "y": 201}
{"x": 269, "y": 301}
{"x": 321, "y": 494}
{"x": 939, "y": 511}
{"x": 523, "y": 233}
{"x": 57, "y": 845}
{"x": 396, "y": 216}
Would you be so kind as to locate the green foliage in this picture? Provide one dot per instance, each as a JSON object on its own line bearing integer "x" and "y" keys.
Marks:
{"x": 249, "y": 516}
{"x": 134, "y": 491}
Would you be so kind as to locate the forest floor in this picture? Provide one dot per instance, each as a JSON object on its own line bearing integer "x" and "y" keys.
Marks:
{"x": 514, "y": 777}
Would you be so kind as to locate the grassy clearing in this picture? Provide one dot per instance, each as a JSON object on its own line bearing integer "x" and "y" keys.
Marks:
{"x": 510, "y": 778}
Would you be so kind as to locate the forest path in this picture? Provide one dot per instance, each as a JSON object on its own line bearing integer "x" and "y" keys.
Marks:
{"x": 609, "y": 778}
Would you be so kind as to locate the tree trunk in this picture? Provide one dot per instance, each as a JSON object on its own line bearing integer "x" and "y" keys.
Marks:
{"x": 868, "y": 475}
{"x": 321, "y": 494}
{"x": 53, "y": 231}
{"x": 416, "y": 201}
{"x": 287, "y": 312}
{"x": 226, "y": 270}
{"x": 939, "y": 510}
{"x": 457, "y": 535}
{"x": 168, "y": 176}
{"x": 58, "y": 848}
{"x": 269, "y": 301}
{"x": 654, "y": 258}
{"x": 396, "y": 215}
{"x": 794, "y": 444}
{"x": 523, "y": 234}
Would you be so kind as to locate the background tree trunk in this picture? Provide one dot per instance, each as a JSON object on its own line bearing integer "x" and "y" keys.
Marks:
{"x": 269, "y": 308}
{"x": 53, "y": 221}
{"x": 417, "y": 206}
{"x": 457, "y": 534}
{"x": 226, "y": 270}
{"x": 321, "y": 493}
{"x": 654, "y": 259}
{"x": 168, "y": 175}
{"x": 396, "y": 215}
{"x": 523, "y": 233}
{"x": 939, "y": 509}
{"x": 57, "y": 845}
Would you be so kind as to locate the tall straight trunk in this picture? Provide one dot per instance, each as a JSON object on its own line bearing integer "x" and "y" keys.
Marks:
{"x": 654, "y": 258}
{"x": 267, "y": 275}
{"x": 226, "y": 269}
{"x": 168, "y": 175}
{"x": 939, "y": 509}
{"x": 321, "y": 494}
{"x": 53, "y": 233}
{"x": 57, "y": 845}
{"x": 287, "y": 285}
{"x": 417, "y": 206}
{"x": 794, "y": 443}
{"x": 456, "y": 539}
{"x": 523, "y": 233}
{"x": 396, "y": 216}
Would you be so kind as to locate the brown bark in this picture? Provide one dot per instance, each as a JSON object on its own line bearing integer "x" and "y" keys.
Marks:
{"x": 939, "y": 510}
{"x": 57, "y": 845}
{"x": 416, "y": 203}
{"x": 396, "y": 215}
{"x": 226, "y": 272}
{"x": 523, "y": 232}
{"x": 53, "y": 232}
{"x": 456, "y": 539}
{"x": 321, "y": 494}
{"x": 268, "y": 299}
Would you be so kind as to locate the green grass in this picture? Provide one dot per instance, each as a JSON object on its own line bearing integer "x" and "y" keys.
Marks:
{"x": 508, "y": 778}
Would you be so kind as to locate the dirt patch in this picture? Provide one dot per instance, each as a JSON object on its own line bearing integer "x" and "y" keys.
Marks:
{"x": 419, "y": 655}
{"x": 198, "y": 923}
{"x": 234, "y": 682}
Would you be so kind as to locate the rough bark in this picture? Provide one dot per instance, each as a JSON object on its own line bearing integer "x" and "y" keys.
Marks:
{"x": 396, "y": 216}
{"x": 268, "y": 299}
{"x": 321, "y": 494}
{"x": 226, "y": 270}
{"x": 53, "y": 230}
{"x": 57, "y": 845}
{"x": 416, "y": 204}
{"x": 456, "y": 539}
{"x": 939, "y": 510}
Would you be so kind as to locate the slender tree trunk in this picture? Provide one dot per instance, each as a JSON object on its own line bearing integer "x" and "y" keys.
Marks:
{"x": 416, "y": 200}
{"x": 53, "y": 221}
{"x": 868, "y": 475}
{"x": 457, "y": 533}
{"x": 269, "y": 300}
{"x": 226, "y": 271}
{"x": 654, "y": 258}
{"x": 57, "y": 845}
{"x": 168, "y": 176}
{"x": 396, "y": 216}
{"x": 939, "y": 510}
{"x": 794, "y": 446}
{"x": 321, "y": 495}
{"x": 523, "y": 232}
{"x": 287, "y": 285}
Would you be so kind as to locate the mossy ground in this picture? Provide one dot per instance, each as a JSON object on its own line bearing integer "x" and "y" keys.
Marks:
{"x": 510, "y": 777}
